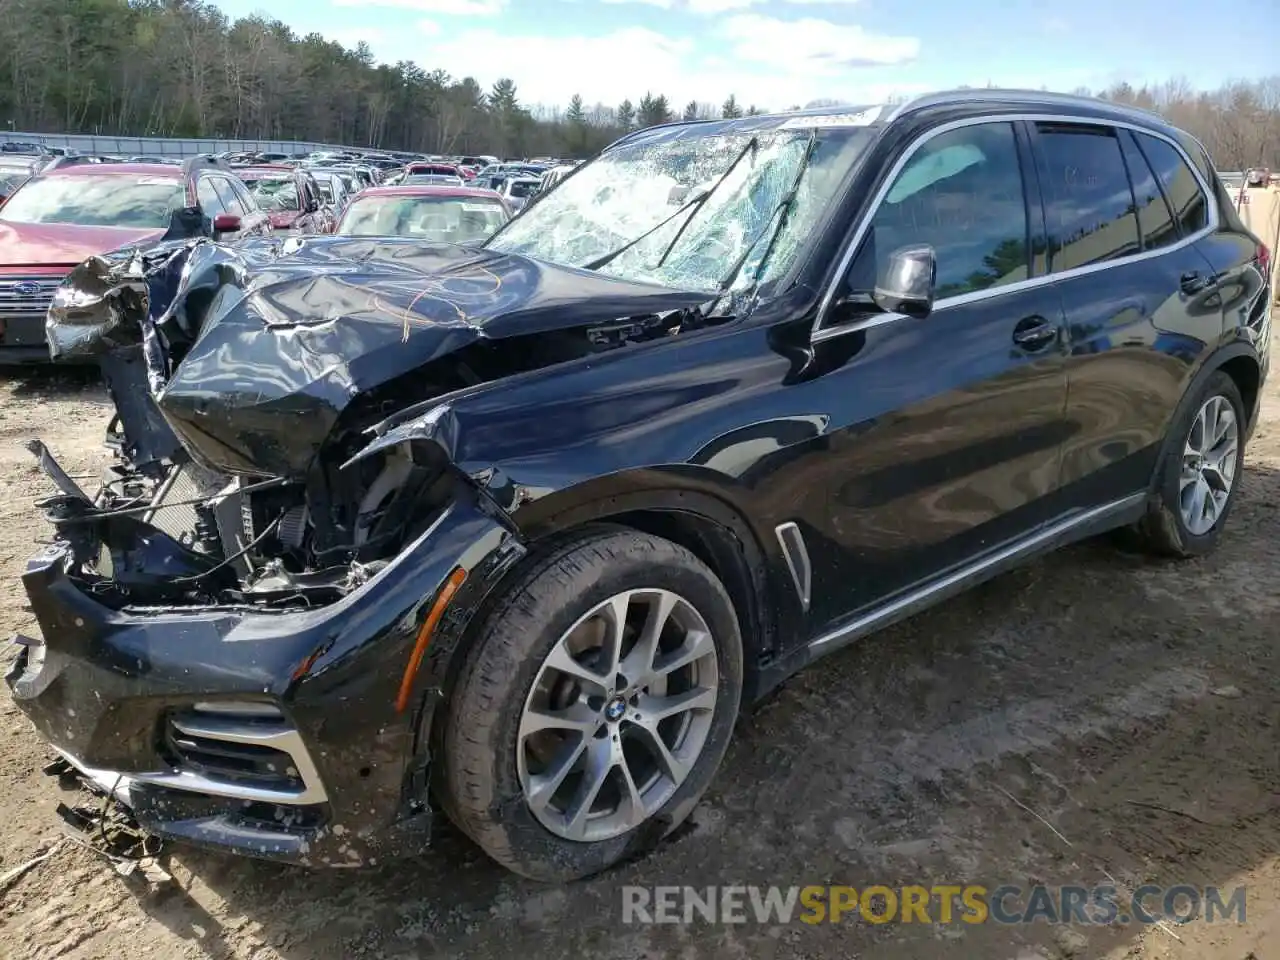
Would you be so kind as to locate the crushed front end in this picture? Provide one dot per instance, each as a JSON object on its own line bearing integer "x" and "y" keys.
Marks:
{"x": 228, "y": 625}
{"x": 245, "y": 629}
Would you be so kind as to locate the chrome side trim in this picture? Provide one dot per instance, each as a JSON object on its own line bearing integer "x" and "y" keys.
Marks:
{"x": 954, "y": 582}
{"x": 820, "y": 332}
{"x": 796, "y": 554}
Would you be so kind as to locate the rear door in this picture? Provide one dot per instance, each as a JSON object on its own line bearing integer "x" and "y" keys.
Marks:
{"x": 1139, "y": 298}
{"x": 952, "y": 426}
{"x": 256, "y": 223}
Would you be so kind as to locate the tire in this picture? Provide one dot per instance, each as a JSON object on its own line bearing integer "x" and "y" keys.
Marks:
{"x": 512, "y": 679}
{"x": 1164, "y": 530}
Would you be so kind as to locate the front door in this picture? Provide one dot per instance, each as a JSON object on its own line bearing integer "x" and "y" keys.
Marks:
{"x": 953, "y": 425}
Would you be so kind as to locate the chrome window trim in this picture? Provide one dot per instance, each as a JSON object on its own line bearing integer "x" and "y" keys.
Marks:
{"x": 819, "y": 332}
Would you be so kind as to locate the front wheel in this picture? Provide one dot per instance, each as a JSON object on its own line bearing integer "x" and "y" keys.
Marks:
{"x": 1200, "y": 477}
{"x": 595, "y": 707}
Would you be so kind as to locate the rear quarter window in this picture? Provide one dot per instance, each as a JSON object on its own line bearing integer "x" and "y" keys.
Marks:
{"x": 1190, "y": 206}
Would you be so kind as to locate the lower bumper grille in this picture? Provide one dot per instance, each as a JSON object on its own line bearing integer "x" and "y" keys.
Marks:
{"x": 245, "y": 751}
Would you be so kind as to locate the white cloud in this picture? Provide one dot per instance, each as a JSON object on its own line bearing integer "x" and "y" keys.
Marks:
{"x": 821, "y": 45}
{"x": 718, "y": 6}
{"x": 454, "y": 8}
{"x": 722, "y": 6}
{"x": 807, "y": 60}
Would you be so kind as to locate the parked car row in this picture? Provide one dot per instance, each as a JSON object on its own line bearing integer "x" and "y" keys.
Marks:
{"x": 58, "y": 210}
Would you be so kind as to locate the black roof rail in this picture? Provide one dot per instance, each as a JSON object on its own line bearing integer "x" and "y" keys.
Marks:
{"x": 1029, "y": 97}
{"x": 203, "y": 161}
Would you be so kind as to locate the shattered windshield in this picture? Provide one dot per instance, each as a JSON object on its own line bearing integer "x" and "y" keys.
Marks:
{"x": 634, "y": 187}
{"x": 275, "y": 194}
{"x": 449, "y": 219}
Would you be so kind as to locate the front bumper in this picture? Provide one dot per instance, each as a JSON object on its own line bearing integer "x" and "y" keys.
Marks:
{"x": 111, "y": 691}
{"x": 22, "y": 340}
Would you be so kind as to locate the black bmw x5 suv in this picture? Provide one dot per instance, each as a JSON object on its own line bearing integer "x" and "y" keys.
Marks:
{"x": 514, "y": 531}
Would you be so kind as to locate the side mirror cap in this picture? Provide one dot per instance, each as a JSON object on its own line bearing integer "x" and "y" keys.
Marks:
{"x": 907, "y": 281}
{"x": 225, "y": 223}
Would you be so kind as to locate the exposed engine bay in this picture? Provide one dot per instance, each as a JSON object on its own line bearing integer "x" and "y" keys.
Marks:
{"x": 248, "y": 379}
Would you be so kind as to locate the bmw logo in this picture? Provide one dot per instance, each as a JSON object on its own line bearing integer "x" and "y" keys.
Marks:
{"x": 615, "y": 709}
{"x": 26, "y": 288}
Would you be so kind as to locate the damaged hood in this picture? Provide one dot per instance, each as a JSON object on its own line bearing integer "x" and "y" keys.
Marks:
{"x": 58, "y": 244}
{"x": 286, "y": 333}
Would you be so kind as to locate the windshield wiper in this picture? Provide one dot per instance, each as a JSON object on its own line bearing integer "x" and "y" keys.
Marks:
{"x": 694, "y": 204}
{"x": 752, "y": 146}
{"x": 780, "y": 214}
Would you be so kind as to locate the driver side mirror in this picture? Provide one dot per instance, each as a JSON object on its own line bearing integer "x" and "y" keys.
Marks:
{"x": 225, "y": 223}
{"x": 906, "y": 283}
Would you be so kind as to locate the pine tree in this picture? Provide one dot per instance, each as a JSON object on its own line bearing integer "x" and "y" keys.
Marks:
{"x": 626, "y": 114}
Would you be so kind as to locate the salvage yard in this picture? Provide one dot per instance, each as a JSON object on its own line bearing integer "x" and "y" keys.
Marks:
{"x": 1095, "y": 717}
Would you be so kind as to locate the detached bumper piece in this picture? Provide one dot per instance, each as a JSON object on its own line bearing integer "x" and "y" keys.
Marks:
{"x": 269, "y": 734}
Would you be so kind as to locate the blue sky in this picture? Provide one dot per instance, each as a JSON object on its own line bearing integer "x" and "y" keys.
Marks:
{"x": 775, "y": 53}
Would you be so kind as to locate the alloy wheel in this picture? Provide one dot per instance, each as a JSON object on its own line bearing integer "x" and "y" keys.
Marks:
{"x": 618, "y": 715}
{"x": 1208, "y": 465}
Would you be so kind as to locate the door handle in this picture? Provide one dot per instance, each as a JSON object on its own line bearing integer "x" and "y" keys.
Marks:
{"x": 1192, "y": 282}
{"x": 1035, "y": 333}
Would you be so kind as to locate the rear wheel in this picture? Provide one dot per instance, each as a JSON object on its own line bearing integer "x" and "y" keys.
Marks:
{"x": 1200, "y": 477}
{"x": 595, "y": 707}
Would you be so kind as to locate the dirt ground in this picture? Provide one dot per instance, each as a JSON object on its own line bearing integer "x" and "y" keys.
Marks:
{"x": 1093, "y": 717}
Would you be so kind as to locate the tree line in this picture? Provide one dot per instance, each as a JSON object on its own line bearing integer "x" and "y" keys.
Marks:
{"x": 181, "y": 68}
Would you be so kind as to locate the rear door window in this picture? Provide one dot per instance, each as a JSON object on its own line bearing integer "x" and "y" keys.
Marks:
{"x": 962, "y": 193}
{"x": 1190, "y": 208}
{"x": 245, "y": 197}
{"x": 210, "y": 203}
{"x": 1089, "y": 203}
{"x": 228, "y": 194}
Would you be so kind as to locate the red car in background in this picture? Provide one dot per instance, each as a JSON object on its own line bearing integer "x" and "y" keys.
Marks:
{"x": 290, "y": 196}
{"x": 420, "y": 167}
{"x": 432, "y": 213}
{"x": 64, "y": 214}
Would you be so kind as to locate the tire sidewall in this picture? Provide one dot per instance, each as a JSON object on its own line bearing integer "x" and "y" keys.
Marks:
{"x": 532, "y": 848}
{"x": 1218, "y": 384}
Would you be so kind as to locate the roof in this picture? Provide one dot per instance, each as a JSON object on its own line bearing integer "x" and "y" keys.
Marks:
{"x": 166, "y": 170}
{"x": 429, "y": 190}
{"x": 877, "y": 115}
{"x": 263, "y": 169}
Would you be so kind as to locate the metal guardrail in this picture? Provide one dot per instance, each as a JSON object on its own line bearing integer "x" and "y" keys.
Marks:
{"x": 163, "y": 146}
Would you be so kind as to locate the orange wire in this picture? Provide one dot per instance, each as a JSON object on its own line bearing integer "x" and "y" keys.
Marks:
{"x": 429, "y": 625}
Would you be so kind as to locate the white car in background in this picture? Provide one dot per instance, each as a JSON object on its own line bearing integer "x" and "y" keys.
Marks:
{"x": 518, "y": 191}
{"x": 334, "y": 189}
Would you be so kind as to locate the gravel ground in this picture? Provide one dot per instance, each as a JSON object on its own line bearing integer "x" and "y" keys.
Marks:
{"x": 1093, "y": 716}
